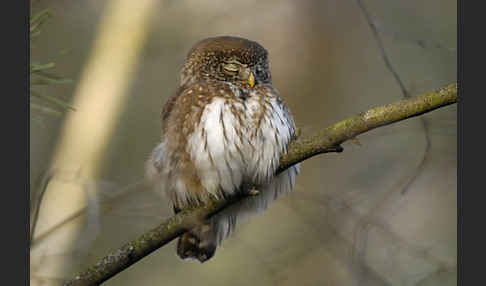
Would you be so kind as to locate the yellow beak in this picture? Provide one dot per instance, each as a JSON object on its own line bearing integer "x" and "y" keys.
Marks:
{"x": 251, "y": 80}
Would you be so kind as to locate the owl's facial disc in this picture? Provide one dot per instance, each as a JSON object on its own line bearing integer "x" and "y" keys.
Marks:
{"x": 233, "y": 60}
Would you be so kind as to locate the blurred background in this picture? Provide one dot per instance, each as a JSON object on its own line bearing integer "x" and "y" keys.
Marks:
{"x": 383, "y": 212}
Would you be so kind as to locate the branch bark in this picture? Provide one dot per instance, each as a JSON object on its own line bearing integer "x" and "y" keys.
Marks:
{"x": 324, "y": 141}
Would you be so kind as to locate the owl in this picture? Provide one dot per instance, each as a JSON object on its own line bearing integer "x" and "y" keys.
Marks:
{"x": 223, "y": 133}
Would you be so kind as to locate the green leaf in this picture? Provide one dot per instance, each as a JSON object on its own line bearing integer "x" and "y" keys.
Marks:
{"x": 53, "y": 100}
{"x": 40, "y": 67}
{"x": 48, "y": 81}
{"x": 44, "y": 109}
{"x": 34, "y": 34}
{"x": 44, "y": 78}
{"x": 37, "y": 19}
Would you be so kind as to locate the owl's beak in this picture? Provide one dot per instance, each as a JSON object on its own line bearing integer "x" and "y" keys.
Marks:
{"x": 251, "y": 80}
{"x": 247, "y": 75}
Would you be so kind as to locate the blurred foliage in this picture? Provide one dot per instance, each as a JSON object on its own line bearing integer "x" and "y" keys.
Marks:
{"x": 39, "y": 75}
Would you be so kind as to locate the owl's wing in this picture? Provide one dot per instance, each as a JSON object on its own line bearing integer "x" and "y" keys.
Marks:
{"x": 168, "y": 107}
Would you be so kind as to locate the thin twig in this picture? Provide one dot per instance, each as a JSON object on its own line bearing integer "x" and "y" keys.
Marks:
{"x": 404, "y": 90}
{"x": 126, "y": 190}
{"x": 381, "y": 47}
{"x": 327, "y": 140}
{"x": 35, "y": 204}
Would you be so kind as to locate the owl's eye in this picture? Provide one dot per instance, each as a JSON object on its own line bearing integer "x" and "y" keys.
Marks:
{"x": 231, "y": 68}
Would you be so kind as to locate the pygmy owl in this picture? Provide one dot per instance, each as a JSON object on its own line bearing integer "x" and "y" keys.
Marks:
{"x": 224, "y": 132}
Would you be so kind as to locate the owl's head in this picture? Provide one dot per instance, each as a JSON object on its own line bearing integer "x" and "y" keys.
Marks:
{"x": 234, "y": 60}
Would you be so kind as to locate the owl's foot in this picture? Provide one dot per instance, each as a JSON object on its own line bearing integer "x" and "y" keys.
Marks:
{"x": 196, "y": 244}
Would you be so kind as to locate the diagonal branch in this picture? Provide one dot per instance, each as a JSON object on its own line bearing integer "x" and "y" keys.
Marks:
{"x": 324, "y": 141}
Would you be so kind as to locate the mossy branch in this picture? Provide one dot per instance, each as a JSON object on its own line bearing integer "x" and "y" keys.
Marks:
{"x": 327, "y": 140}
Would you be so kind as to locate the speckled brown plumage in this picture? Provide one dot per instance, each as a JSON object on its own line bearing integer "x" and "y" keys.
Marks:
{"x": 224, "y": 131}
